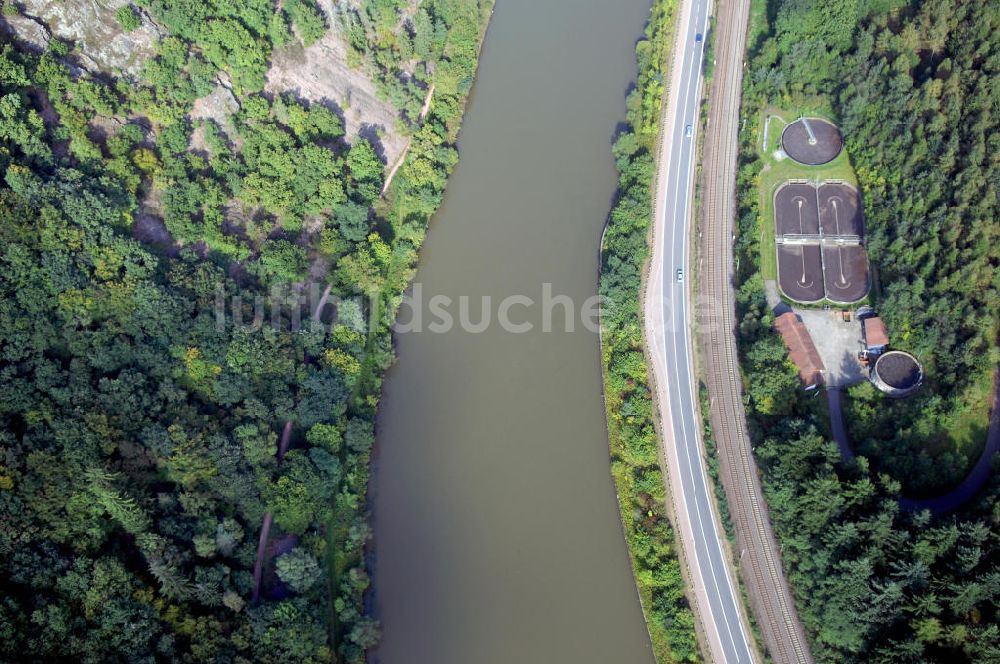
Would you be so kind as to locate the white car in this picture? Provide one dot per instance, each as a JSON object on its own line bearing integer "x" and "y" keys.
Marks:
{"x": 680, "y": 276}
{"x": 688, "y": 130}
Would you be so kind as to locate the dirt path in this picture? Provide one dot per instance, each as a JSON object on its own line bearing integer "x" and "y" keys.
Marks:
{"x": 318, "y": 312}
{"x": 426, "y": 108}
{"x": 286, "y": 438}
{"x": 265, "y": 528}
{"x": 406, "y": 148}
{"x": 258, "y": 566}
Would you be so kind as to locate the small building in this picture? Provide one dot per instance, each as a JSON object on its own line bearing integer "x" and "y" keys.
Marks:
{"x": 898, "y": 374}
{"x": 801, "y": 349}
{"x": 875, "y": 334}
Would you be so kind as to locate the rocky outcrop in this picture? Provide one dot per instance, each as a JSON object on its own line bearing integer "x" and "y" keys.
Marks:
{"x": 101, "y": 44}
{"x": 30, "y": 32}
{"x": 218, "y": 105}
{"x": 320, "y": 74}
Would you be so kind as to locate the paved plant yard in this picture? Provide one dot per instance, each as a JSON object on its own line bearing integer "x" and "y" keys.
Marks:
{"x": 838, "y": 343}
{"x": 815, "y": 144}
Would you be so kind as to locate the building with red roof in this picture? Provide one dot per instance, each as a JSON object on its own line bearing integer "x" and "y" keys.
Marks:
{"x": 876, "y": 335}
{"x": 801, "y": 349}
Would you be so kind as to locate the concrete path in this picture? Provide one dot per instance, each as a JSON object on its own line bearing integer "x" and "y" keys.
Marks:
{"x": 833, "y": 400}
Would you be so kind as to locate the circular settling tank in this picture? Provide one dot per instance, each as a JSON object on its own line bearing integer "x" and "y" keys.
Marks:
{"x": 898, "y": 374}
{"x": 812, "y": 141}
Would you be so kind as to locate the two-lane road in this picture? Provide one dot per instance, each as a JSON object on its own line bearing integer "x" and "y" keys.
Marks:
{"x": 669, "y": 336}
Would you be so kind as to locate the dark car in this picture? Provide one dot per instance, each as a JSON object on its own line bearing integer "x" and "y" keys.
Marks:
{"x": 697, "y": 38}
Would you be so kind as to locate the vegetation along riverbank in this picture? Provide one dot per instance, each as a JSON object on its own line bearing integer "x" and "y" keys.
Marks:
{"x": 148, "y": 207}
{"x": 635, "y": 460}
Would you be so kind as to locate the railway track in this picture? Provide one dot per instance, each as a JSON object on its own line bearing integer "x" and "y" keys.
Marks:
{"x": 760, "y": 556}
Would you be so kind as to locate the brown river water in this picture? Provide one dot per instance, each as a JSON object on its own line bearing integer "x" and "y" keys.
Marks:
{"x": 497, "y": 534}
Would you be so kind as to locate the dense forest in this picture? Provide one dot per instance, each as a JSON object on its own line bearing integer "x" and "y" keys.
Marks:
{"x": 150, "y": 431}
{"x": 914, "y": 88}
{"x": 635, "y": 460}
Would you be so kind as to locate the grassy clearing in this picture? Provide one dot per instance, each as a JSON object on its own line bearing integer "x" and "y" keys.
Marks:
{"x": 967, "y": 424}
{"x": 758, "y": 26}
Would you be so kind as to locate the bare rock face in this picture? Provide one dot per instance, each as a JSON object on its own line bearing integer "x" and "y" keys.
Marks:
{"x": 320, "y": 74}
{"x": 217, "y": 105}
{"x": 31, "y": 33}
{"x": 93, "y": 27}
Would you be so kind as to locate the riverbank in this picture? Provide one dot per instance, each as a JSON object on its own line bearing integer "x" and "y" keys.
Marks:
{"x": 410, "y": 198}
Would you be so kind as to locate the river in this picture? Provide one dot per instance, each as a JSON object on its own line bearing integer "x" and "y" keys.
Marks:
{"x": 497, "y": 534}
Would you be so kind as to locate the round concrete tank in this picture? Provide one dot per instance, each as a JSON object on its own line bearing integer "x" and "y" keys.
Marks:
{"x": 898, "y": 374}
{"x": 812, "y": 141}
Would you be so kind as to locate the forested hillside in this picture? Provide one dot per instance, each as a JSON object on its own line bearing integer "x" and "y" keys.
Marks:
{"x": 149, "y": 427}
{"x": 915, "y": 90}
